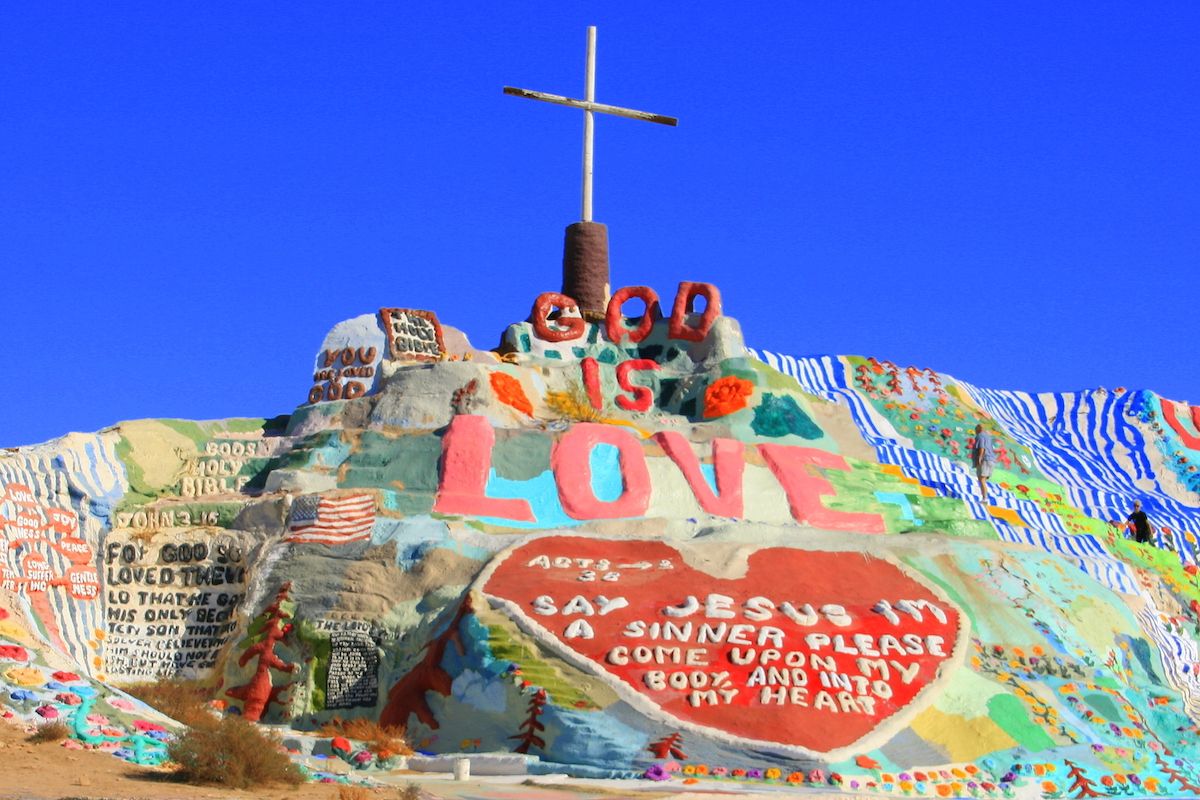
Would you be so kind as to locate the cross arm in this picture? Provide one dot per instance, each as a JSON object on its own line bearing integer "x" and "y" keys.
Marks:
{"x": 602, "y": 108}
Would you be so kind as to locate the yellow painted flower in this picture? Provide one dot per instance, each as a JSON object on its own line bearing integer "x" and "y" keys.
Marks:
{"x": 25, "y": 676}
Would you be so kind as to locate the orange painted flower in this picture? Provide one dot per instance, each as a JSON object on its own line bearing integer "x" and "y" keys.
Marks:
{"x": 866, "y": 762}
{"x": 508, "y": 391}
{"x": 726, "y": 395}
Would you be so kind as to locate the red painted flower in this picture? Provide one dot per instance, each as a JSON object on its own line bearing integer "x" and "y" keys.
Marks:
{"x": 726, "y": 395}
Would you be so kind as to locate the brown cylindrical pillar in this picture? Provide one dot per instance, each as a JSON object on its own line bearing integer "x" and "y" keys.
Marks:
{"x": 585, "y": 267}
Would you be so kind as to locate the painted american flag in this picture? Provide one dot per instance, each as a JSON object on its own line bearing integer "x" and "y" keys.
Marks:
{"x": 316, "y": 519}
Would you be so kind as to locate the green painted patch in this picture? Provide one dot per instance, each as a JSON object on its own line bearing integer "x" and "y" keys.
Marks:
{"x": 1009, "y": 713}
{"x": 521, "y": 455}
{"x": 1103, "y": 705}
{"x": 408, "y": 463}
{"x": 536, "y": 669}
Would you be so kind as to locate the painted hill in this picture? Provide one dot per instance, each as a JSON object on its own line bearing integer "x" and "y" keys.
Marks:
{"x": 625, "y": 546}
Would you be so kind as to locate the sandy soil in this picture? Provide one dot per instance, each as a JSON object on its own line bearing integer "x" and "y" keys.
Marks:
{"x": 51, "y": 772}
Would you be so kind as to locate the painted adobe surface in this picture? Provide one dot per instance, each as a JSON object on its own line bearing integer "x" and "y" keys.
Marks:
{"x": 637, "y": 545}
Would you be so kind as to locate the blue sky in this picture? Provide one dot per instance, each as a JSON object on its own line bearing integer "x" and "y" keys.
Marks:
{"x": 192, "y": 194}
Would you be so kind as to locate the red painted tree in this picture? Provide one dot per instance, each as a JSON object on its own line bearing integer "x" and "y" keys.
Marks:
{"x": 259, "y": 693}
{"x": 671, "y": 745}
{"x": 529, "y": 728}
{"x": 407, "y": 696}
{"x": 1082, "y": 783}
{"x": 1175, "y": 776}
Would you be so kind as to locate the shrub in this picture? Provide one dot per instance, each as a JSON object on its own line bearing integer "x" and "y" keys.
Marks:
{"x": 54, "y": 731}
{"x": 383, "y": 741}
{"x": 234, "y": 753}
{"x": 411, "y": 791}
{"x": 185, "y": 701}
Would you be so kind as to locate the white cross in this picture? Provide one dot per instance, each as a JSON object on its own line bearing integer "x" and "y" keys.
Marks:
{"x": 589, "y": 104}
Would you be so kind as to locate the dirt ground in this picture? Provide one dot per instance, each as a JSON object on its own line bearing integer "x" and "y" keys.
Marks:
{"x": 51, "y": 772}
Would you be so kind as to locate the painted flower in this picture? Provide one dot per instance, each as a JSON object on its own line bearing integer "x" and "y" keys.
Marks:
{"x": 754, "y": 773}
{"x": 738, "y": 773}
{"x": 816, "y": 776}
{"x": 726, "y": 395}
{"x": 508, "y": 391}
{"x": 773, "y": 774}
{"x": 654, "y": 772}
{"x": 689, "y": 770}
{"x": 866, "y": 762}
{"x": 701, "y": 769}
{"x": 720, "y": 772}
{"x": 795, "y": 777}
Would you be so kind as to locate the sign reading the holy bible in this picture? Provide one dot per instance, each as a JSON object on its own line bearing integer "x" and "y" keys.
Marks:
{"x": 808, "y": 649}
{"x": 412, "y": 335}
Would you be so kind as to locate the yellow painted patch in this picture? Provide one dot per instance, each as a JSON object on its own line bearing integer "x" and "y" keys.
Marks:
{"x": 1008, "y": 515}
{"x": 153, "y": 446}
{"x": 11, "y": 630}
{"x": 24, "y": 676}
{"x": 963, "y": 739}
{"x": 929, "y": 491}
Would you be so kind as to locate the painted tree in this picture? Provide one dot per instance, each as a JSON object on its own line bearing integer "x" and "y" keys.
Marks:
{"x": 407, "y": 696}
{"x": 1175, "y": 775}
{"x": 273, "y": 626}
{"x": 670, "y": 745}
{"x": 1082, "y": 783}
{"x": 528, "y": 736}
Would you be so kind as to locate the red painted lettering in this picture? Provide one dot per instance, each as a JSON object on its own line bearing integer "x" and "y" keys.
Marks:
{"x": 565, "y": 328}
{"x": 685, "y": 300}
{"x": 591, "y": 382}
{"x": 615, "y": 323}
{"x": 642, "y": 396}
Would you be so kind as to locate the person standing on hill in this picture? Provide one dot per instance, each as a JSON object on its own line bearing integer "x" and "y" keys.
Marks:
{"x": 983, "y": 457}
{"x": 1140, "y": 523}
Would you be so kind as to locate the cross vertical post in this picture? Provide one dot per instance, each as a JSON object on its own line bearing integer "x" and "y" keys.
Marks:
{"x": 589, "y": 96}
{"x": 585, "y": 248}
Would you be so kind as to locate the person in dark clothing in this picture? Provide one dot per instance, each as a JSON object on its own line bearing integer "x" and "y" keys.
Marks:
{"x": 1140, "y": 523}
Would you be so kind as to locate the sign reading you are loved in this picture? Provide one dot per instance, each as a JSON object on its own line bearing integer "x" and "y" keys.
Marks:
{"x": 808, "y": 649}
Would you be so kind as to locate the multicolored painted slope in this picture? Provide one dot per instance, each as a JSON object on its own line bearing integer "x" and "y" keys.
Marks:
{"x": 1103, "y": 448}
{"x": 634, "y": 546}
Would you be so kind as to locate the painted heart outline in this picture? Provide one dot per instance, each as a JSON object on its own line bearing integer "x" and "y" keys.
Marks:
{"x": 806, "y": 652}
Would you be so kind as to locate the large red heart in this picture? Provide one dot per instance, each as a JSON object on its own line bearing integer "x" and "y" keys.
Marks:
{"x": 810, "y": 651}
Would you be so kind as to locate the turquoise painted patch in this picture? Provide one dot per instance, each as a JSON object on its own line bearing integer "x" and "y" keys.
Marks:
{"x": 605, "y": 463}
{"x": 542, "y": 494}
{"x": 779, "y": 415}
{"x": 901, "y": 500}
